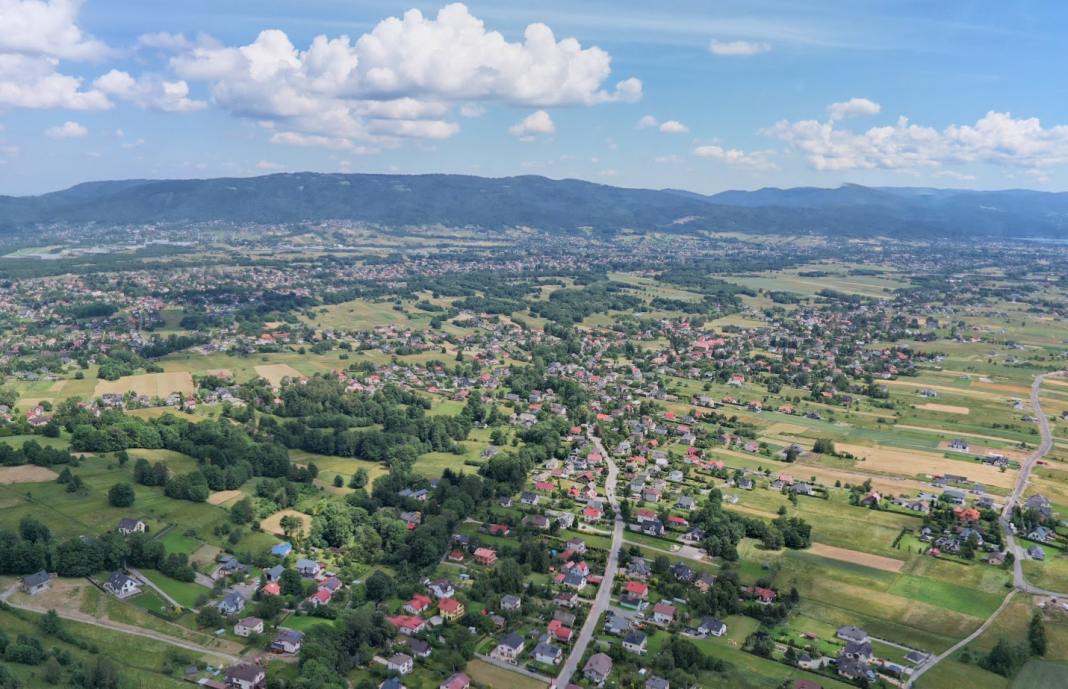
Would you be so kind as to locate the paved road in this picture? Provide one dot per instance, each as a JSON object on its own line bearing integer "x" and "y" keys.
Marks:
{"x": 961, "y": 644}
{"x": 1021, "y": 484}
{"x": 604, "y": 594}
{"x": 124, "y": 629}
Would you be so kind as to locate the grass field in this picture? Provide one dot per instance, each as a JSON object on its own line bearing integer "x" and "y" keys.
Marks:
{"x": 946, "y": 595}
{"x": 149, "y": 600}
{"x": 151, "y": 384}
{"x": 1041, "y": 675}
{"x": 175, "y": 542}
{"x": 276, "y": 372}
{"x": 185, "y": 594}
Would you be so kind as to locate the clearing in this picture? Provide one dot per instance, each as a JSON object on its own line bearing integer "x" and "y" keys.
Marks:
{"x": 947, "y": 408}
{"x": 888, "y": 564}
{"x": 150, "y": 384}
{"x": 27, "y": 473}
{"x": 276, "y": 372}
{"x": 273, "y": 523}
{"x": 222, "y": 496}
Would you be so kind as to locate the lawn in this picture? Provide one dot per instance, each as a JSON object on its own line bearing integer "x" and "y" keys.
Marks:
{"x": 1039, "y": 674}
{"x": 149, "y": 600}
{"x": 946, "y": 595}
{"x": 491, "y": 675}
{"x": 953, "y": 674}
{"x": 304, "y": 622}
{"x": 185, "y": 594}
{"x": 175, "y": 542}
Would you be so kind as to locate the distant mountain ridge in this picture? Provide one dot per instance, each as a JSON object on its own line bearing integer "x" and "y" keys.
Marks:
{"x": 558, "y": 206}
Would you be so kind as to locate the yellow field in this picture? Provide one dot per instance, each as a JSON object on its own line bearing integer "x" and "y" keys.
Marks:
{"x": 222, "y": 496}
{"x": 27, "y": 473}
{"x": 276, "y": 372}
{"x": 57, "y": 386}
{"x": 948, "y": 408}
{"x": 150, "y": 384}
{"x": 273, "y": 523}
{"x": 877, "y": 561}
{"x": 912, "y": 462}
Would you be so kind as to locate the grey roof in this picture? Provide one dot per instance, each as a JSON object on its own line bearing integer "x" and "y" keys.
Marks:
{"x": 634, "y": 638}
{"x": 599, "y": 663}
{"x": 655, "y": 682}
{"x": 304, "y": 563}
{"x": 118, "y": 580}
{"x": 849, "y": 632}
{"x": 543, "y": 649}
{"x": 513, "y": 641}
{"x": 41, "y": 577}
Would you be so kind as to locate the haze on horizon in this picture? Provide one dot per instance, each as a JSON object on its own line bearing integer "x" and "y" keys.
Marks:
{"x": 697, "y": 97}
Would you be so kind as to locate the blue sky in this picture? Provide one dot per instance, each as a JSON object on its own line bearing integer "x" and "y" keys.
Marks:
{"x": 703, "y": 96}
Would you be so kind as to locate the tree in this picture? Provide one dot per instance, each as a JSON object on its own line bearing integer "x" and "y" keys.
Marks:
{"x": 791, "y": 454}
{"x": 1036, "y": 635}
{"x": 773, "y": 539}
{"x": 291, "y": 525}
{"x": 359, "y": 479}
{"x": 291, "y": 583}
{"x": 379, "y": 586}
{"x": 53, "y": 673}
{"x": 242, "y": 511}
{"x": 209, "y": 617}
{"x": 338, "y": 481}
{"x": 121, "y": 495}
{"x": 824, "y": 446}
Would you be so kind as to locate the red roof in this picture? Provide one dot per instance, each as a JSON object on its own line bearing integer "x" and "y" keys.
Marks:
{"x": 449, "y": 605}
{"x": 637, "y": 588}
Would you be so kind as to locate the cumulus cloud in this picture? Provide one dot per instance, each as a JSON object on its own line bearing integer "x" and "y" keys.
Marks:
{"x": 854, "y": 107}
{"x": 150, "y": 92}
{"x": 673, "y": 127}
{"x": 295, "y": 139}
{"x": 646, "y": 122}
{"x": 68, "y": 130}
{"x": 33, "y": 82}
{"x": 530, "y": 127}
{"x": 404, "y": 79}
{"x": 997, "y": 139}
{"x": 757, "y": 161}
{"x": 738, "y": 48}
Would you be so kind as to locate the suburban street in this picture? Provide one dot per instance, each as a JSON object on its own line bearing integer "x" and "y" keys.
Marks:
{"x": 604, "y": 593}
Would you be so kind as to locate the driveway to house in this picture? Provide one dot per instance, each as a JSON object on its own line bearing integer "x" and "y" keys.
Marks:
{"x": 604, "y": 593}
{"x": 1017, "y": 493}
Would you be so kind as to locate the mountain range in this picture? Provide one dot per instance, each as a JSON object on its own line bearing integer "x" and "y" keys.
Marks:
{"x": 558, "y": 206}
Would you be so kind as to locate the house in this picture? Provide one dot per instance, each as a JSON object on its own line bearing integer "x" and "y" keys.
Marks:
{"x": 286, "y": 641}
{"x": 918, "y": 657}
{"x": 35, "y": 583}
{"x": 442, "y": 588}
{"x": 591, "y": 515}
{"x": 655, "y": 682}
{"x": 1041, "y": 534}
{"x": 245, "y": 676}
{"x": 499, "y": 530}
{"x": 529, "y": 498}
{"x": 128, "y": 525}
{"x": 653, "y": 527}
{"x": 548, "y": 654}
{"x": 421, "y": 649}
{"x": 745, "y": 483}
{"x": 704, "y": 582}
{"x": 577, "y": 544}
{"x": 636, "y": 588}
{"x": 122, "y": 585}
{"x": 392, "y": 683}
{"x": 458, "y": 680}
{"x": 848, "y": 633}
{"x": 574, "y": 580}
{"x": 485, "y": 556}
{"x": 509, "y": 648}
{"x": 713, "y": 627}
{"x": 682, "y": 573}
{"x": 566, "y": 599}
{"x": 639, "y": 570}
{"x": 400, "y": 662}
{"x": 762, "y": 595}
{"x": 597, "y": 668}
{"x": 1040, "y": 503}
{"x": 231, "y": 605}
{"x": 417, "y": 605}
{"x": 616, "y": 625}
{"x": 309, "y": 569}
{"x": 506, "y": 502}
{"x": 853, "y": 669}
{"x": 859, "y": 651}
{"x": 663, "y": 613}
{"x": 954, "y": 497}
{"x": 630, "y": 601}
{"x": 540, "y": 522}
{"x": 408, "y": 625}
{"x": 1036, "y": 553}
{"x": 958, "y": 444}
{"x": 651, "y": 495}
{"x": 451, "y": 609}
{"x": 636, "y": 642}
{"x": 274, "y": 573}
{"x": 272, "y": 589}
{"x": 248, "y": 626}
{"x": 282, "y": 549}
{"x": 686, "y": 503}
{"x": 320, "y": 597}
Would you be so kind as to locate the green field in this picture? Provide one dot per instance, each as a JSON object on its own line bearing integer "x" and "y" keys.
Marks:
{"x": 948, "y": 596}
{"x": 1042, "y": 675}
{"x": 175, "y": 542}
{"x": 185, "y": 594}
{"x": 149, "y": 600}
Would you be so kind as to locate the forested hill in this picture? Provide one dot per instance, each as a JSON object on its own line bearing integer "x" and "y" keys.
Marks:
{"x": 557, "y": 206}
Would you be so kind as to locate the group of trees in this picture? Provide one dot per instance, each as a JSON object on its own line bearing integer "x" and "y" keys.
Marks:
{"x": 32, "y": 452}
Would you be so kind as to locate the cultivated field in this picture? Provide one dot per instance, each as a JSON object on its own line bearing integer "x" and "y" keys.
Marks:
{"x": 877, "y": 561}
{"x": 150, "y": 384}
{"x": 27, "y": 473}
{"x": 276, "y": 372}
{"x": 273, "y": 523}
{"x": 912, "y": 463}
{"x": 222, "y": 496}
{"x": 947, "y": 408}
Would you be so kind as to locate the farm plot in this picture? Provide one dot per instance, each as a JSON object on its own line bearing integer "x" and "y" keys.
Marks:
{"x": 222, "y": 496}
{"x": 276, "y": 372}
{"x": 947, "y": 408}
{"x": 27, "y": 473}
{"x": 888, "y": 564}
{"x": 150, "y": 384}
{"x": 912, "y": 463}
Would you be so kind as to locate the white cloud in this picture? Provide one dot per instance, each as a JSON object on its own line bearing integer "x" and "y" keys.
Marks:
{"x": 267, "y": 165}
{"x": 149, "y": 91}
{"x": 674, "y": 127}
{"x": 996, "y": 139}
{"x": 667, "y": 159}
{"x": 854, "y": 107}
{"x": 757, "y": 160}
{"x": 173, "y": 42}
{"x": 295, "y": 139}
{"x": 47, "y": 29}
{"x": 608, "y": 173}
{"x": 953, "y": 174}
{"x": 472, "y": 110}
{"x": 532, "y": 126}
{"x": 646, "y": 122}
{"x": 33, "y": 82}
{"x": 738, "y": 48}
{"x": 68, "y": 130}
{"x": 403, "y": 79}
{"x": 139, "y": 142}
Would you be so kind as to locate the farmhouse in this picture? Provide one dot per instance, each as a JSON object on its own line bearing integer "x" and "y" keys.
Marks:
{"x": 35, "y": 583}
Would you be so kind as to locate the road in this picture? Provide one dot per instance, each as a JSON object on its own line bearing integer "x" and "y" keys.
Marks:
{"x": 1021, "y": 484}
{"x": 123, "y": 629}
{"x": 604, "y": 594}
{"x": 960, "y": 644}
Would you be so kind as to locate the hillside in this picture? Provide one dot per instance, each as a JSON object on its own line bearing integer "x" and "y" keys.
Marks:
{"x": 556, "y": 206}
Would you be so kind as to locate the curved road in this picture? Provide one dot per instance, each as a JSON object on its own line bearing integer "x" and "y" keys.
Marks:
{"x": 604, "y": 593}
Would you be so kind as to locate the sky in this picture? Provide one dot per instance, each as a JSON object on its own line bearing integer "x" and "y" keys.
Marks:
{"x": 703, "y": 95}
